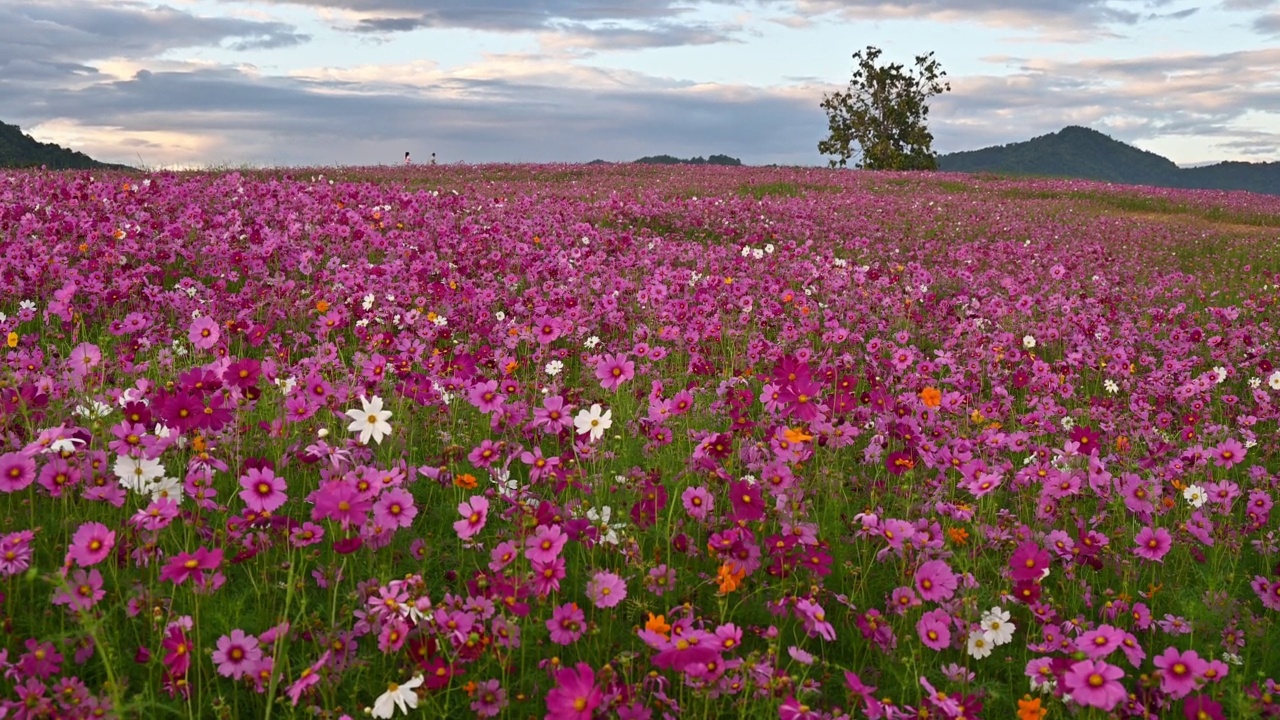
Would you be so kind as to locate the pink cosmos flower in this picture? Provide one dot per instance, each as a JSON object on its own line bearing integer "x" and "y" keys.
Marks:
{"x": 489, "y": 698}
{"x": 1228, "y": 453}
{"x": 204, "y": 333}
{"x": 935, "y": 581}
{"x": 485, "y": 396}
{"x": 263, "y": 490}
{"x": 934, "y": 629}
{"x": 184, "y": 566}
{"x": 566, "y": 624}
{"x": 307, "y": 679}
{"x": 91, "y": 544}
{"x": 606, "y": 589}
{"x": 697, "y": 502}
{"x": 613, "y": 370}
{"x": 575, "y": 696}
{"x": 83, "y": 590}
{"x": 1095, "y": 683}
{"x": 1179, "y": 671}
{"x": 236, "y": 654}
{"x": 1100, "y": 642}
{"x": 1152, "y": 544}
{"x": 475, "y": 513}
{"x": 395, "y": 509}
{"x": 545, "y": 543}
{"x": 553, "y": 416}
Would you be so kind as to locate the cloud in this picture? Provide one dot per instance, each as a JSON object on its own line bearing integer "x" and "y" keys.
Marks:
{"x": 1064, "y": 20}
{"x": 1209, "y": 97}
{"x": 39, "y": 40}
{"x": 1268, "y": 24}
{"x": 506, "y": 108}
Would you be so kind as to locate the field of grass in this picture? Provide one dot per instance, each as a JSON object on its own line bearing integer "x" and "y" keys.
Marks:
{"x": 635, "y": 442}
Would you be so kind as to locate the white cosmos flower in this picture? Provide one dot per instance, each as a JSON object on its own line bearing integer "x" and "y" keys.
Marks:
{"x": 979, "y": 646}
{"x": 600, "y": 519}
{"x": 166, "y": 487}
{"x": 370, "y": 421}
{"x": 1273, "y": 380}
{"x": 593, "y": 421}
{"x": 1028, "y": 342}
{"x": 95, "y": 409}
{"x": 397, "y": 696}
{"x": 136, "y": 474}
{"x": 554, "y": 368}
{"x": 1195, "y": 495}
{"x": 1111, "y": 386}
{"x": 996, "y": 626}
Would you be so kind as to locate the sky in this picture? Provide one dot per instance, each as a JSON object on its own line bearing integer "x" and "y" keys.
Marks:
{"x": 204, "y": 83}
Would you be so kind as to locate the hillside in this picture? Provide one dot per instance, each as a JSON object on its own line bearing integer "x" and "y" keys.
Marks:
{"x": 671, "y": 160}
{"x": 1079, "y": 152}
{"x": 17, "y": 150}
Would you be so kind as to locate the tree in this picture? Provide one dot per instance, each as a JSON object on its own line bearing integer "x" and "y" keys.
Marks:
{"x": 884, "y": 113}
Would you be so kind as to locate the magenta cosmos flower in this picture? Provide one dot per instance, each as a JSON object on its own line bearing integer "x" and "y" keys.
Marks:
{"x": 91, "y": 544}
{"x": 613, "y": 370}
{"x": 566, "y": 624}
{"x": 17, "y": 472}
{"x": 191, "y": 565}
{"x": 935, "y": 581}
{"x": 1095, "y": 683}
{"x": 575, "y": 696}
{"x": 1029, "y": 562}
{"x": 1179, "y": 671}
{"x": 606, "y": 589}
{"x": 1152, "y": 544}
{"x": 263, "y": 490}
{"x": 475, "y": 513}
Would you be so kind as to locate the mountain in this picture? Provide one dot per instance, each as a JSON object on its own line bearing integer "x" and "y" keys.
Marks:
{"x": 18, "y": 149}
{"x": 1079, "y": 152}
{"x": 669, "y": 160}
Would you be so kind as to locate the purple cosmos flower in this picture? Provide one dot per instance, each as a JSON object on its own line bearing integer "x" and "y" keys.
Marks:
{"x": 17, "y": 472}
{"x": 697, "y": 502}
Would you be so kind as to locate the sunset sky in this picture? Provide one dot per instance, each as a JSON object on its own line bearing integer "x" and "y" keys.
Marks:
{"x": 325, "y": 82}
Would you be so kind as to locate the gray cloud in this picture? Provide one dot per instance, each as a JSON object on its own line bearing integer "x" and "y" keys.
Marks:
{"x": 1268, "y": 24}
{"x": 295, "y": 121}
{"x": 500, "y": 15}
{"x": 41, "y": 39}
{"x": 1067, "y": 20}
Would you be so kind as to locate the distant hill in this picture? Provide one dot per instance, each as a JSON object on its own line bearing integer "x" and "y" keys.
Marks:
{"x": 1079, "y": 152}
{"x": 18, "y": 150}
{"x": 669, "y": 160}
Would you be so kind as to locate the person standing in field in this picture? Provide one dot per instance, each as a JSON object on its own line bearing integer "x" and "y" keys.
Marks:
{"x": 433, "y": 158}
{"x": 407, "y": 161}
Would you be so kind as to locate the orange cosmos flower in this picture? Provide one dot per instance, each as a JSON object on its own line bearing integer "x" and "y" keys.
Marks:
{"x": 1029, "y": 709}
{"x": 322, "y": 306}
{"x": 931, "y": 396}
{"x": 796, "y": 435}
{"x": 658, "y": 624}
{"x": 728, "y": 579}
{"x": 957, "y": 535}
{"x": 467, "y": 481}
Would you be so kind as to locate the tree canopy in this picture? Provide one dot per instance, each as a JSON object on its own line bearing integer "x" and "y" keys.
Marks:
{"x": 882, "y": 116}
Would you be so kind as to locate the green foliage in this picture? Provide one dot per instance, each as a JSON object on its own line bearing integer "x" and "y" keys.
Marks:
{"x": 672, "y": 160}
{"x": 1080, "y": 152}
{"x": 18, "y": 150}
{"x": 884, "y": 113}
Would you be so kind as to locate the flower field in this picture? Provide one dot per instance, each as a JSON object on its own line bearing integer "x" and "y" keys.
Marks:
{"x": 636, "y": 442}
